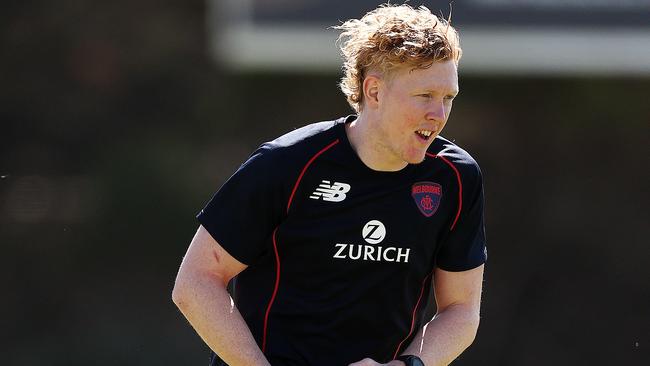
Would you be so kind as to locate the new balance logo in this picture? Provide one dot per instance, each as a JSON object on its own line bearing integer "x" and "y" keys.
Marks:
{"x": 331, "y": 192}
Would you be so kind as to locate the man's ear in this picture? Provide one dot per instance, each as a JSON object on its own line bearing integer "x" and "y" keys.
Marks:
{"x": 371, "y": 86}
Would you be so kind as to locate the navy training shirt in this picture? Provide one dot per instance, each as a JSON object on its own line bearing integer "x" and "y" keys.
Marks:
{"x": 340, "y": 257}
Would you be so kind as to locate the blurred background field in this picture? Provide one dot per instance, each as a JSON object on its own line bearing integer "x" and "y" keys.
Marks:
{"x": 120, "y": 119}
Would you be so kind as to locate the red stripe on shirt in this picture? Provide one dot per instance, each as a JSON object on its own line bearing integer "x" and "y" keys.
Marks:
{"x": 304, "y": 169}
{"x": 275, "y": 290}
{"x": 460, "y": 187}
{"x": 415, "y": 310}
{"x": 275, "y": 244}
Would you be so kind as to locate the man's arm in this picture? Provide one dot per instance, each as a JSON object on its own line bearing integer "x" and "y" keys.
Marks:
{"x": 452, "y": 330}
{"x": 200, "y": 294}
{"x": 445, "y": 337}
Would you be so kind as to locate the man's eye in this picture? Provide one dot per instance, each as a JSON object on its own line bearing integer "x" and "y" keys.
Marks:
{"x": 424, "y": 95}
{"x": 449, "y": 97}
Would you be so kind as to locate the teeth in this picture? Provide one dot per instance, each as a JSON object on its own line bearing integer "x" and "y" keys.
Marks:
{"x": 425, "y": 133}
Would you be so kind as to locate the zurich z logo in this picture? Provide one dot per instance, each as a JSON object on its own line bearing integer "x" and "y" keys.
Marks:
{"x": 331, "y": 192}
{"x": 374, "y": 232}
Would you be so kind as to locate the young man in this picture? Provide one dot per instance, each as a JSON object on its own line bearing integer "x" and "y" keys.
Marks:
{"x": 335, "y": 233}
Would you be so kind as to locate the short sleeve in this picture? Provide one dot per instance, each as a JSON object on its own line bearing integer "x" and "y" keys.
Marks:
{"x": 464, "y": 247}
{"x": 243, "y": 213}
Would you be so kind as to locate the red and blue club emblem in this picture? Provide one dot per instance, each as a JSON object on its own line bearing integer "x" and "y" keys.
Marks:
{"x": 427, "y": 197}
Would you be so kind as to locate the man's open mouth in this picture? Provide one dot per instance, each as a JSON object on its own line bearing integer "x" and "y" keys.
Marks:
{"x": 424, "y": 134}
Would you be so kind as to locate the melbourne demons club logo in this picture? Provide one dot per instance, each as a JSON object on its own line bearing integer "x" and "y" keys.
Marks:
{"x": 427, "y": 197}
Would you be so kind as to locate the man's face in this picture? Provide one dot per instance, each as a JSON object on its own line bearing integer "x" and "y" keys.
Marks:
{"x": 413, "y": 106}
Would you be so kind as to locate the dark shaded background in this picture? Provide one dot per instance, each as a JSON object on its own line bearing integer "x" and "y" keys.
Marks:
{"x": 117, "y": 127}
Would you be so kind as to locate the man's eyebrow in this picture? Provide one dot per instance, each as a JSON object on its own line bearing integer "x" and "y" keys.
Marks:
{"x": 454, "y": 92}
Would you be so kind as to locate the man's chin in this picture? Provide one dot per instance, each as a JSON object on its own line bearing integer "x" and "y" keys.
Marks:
{"x": 416, "y": 159}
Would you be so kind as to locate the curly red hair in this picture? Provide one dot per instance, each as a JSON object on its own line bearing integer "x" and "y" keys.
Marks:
{"x": 389, "y": 37}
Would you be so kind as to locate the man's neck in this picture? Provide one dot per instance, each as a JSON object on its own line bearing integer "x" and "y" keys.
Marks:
{"x": 365, "y": 141}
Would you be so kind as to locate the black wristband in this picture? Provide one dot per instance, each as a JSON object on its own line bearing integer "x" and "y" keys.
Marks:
{"x": 410, "y": 360}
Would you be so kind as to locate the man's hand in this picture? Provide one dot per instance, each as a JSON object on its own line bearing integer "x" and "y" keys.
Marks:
{"x": 371, "y": 362}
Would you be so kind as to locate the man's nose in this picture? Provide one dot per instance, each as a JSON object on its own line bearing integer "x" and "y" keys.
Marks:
{"x": 436, "y": 111}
